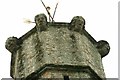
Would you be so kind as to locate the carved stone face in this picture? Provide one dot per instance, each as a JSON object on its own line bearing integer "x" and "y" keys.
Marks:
{"x": 103, "y": 47}
{"x": 79, "y": 20}
{"x": 11, "y": 43}
{"x": 77, "y": 23}
{"x": 40, "y": 19}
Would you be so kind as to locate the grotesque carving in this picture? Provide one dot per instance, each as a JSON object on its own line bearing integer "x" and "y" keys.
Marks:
{"x": 77, "y": 24}
{"x": 41, "y": 22}
{"x": 103, "y": 47}
{"x": 12, "y": 44}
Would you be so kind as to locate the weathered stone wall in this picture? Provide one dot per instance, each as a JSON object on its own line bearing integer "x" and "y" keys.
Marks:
{"x": 58, "y": 46}
{"x": 49, "y": 45}
{"x": 70, "y": 75}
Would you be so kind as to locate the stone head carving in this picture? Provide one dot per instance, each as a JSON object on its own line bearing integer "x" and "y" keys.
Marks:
{"x": 41, "y": 21}
{"x": 103, "y": 47}
{"x": 12, "y": 44}
{"x": 77, "y": 23}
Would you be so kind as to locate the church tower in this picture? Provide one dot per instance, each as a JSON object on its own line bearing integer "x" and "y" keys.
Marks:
{"x": 57, "y": 50}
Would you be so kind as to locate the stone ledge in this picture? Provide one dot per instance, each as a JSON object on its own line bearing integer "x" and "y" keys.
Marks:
{"x": 71, "y": 68}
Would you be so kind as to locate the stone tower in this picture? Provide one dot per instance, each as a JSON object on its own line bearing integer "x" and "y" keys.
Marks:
{"x": 59, "y": 50}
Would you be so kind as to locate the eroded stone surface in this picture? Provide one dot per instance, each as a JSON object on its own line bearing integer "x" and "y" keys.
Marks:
{"x": 57, "y": 44}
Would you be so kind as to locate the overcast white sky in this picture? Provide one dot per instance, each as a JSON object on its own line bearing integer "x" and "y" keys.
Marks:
{"x": 101, "y": 22}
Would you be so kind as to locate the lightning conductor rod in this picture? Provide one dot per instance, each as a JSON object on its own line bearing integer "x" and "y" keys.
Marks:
{"x": 55, "y": 11}
{"x": 47, "y": 10}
